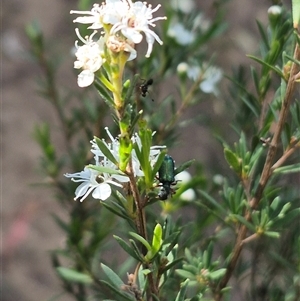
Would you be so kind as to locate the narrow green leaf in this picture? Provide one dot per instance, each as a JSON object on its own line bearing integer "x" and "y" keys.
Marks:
{"x": 291, "y": 59}
{"x": 156, "y": 242}
{"x": 232, "y": 160}
{"x": 71, "y": 275}
{"x": 272, "y": 234}
{"x": 288, "y": 169}
{"x": 268, "y": 66}
{"x": 115, "y": 280}
{"x": 119, "y": 292}
{"x": 285, "y": 208}
{"x": 172, "y": 264}
{"x": 141, "y": 239}
{"x": 157, "y": 238}
{"x": 263, "y": 35}
{"x": 184, "y": 166}
{"x": 172, "y": 239}
{"x": 208, "y": 255}
{"x": 185, "y": 274}
{"x": 225, "y": 289}
{"x": 255, "y": 79}
{"x": 196, "y": 298}
{"x": 250, "y": 106}
{"x": 158, "y": 163}
{"x": 104, "y": 93}
{"x": 216, "y": 275}
{"x": 212, "y": 201}
{"x": 103, "y": 169}
{"x": 128, "y": 249}
{"x": 183, "y": 287}
{"x": 286, "y": 219}
{"x": 296, "y": 13}
{"x": 106, "y": 151}
{"x": 135, "y": 247}
{"x": 244, "y": 222}
{"x": 113, "y": 210}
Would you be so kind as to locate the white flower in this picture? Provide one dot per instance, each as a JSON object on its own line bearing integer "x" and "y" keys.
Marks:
{"x": 94, "y": 17}
{"x": 92, "y": 180}
{"x": 89, "y": 58}
{"x": 114, "y": 146}
{"x": 138, "y": 18}
{"x": 181, "y": 34}
{"x": 185, "y": 177}
{"x": 182, "y": 68}
{"x": 210, "y": 77}
{"x": 275, "y": 10}
{"x": 154, "y": 150}
{"x": 201, "y": 22}
{"x": 115, "y": 10}
{"x": 193, "y": 72}
{"x": 126, "y": 17}
{"x": 99, "y": 183}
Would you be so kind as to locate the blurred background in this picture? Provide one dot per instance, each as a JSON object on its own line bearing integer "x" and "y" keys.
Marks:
{"x": 28, "y": 232}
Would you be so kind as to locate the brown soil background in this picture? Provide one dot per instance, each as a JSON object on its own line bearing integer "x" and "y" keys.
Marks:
{"x": 28, "y": 231}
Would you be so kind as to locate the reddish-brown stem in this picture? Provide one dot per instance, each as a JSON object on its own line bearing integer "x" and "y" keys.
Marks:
{"x": 141, "y": 228}
{"x": 265, "y": 176}
{"x": 285, "y": 156}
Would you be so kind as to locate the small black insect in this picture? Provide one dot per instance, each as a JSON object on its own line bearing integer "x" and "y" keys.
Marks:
{"x": 144, "y": 87}
{"x": 166, "y": 176}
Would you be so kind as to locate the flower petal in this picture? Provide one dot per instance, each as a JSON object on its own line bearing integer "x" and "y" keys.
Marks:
{"x": 85, "y": 78}
{"x": 102, "y": 192}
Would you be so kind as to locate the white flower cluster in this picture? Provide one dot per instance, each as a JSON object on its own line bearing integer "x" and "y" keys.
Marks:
{"x": 211, "y": 76}
{"x": 125, "y": 20}
{"x": 99, "y": 183}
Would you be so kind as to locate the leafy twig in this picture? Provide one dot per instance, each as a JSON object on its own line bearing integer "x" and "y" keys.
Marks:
{"x": 266, "y": 173}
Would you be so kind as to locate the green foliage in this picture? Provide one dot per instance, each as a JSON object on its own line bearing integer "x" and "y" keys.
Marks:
{"x": 185, "y": 248}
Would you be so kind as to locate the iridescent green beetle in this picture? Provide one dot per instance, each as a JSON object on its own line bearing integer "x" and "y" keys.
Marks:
{"x": 166, "y": 176}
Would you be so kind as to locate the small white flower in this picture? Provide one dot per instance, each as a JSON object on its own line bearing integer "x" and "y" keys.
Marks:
{"x": 110, "y": 12}
{"x": 275, "y": 10}
{"x": 126, "y": 17}
{"x": 218, "y": 179}
{"x": 154, "y": 152}
{"x": 181, "y": 34}
{"x": 92, "y": 181}
{"x": 115, "y": 10}
{"x": 99, "y": 183}
{"x": 182, "y": 68}
{"x": 89, "y": 58}
{"x": 94, "y": 17}
{"x": 185, "y": 177}
{"x": 138, "y": 18}
{"x": 210, "y": 75}
{"x": 114, "y": 146}
{"x": 193, "y": 72}
{"x": 201, "y": 23}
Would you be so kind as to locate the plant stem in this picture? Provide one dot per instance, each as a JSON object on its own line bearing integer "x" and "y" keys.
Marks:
{"x": 265, "y": 176}
{"x": 140, "y": 222}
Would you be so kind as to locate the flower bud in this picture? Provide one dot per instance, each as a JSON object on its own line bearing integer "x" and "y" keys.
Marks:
{"x": 274, "y": 13}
